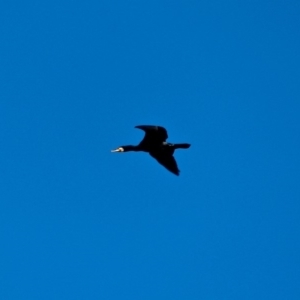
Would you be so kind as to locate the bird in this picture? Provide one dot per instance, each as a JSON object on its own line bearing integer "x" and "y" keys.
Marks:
{"x": 154, "y": 143}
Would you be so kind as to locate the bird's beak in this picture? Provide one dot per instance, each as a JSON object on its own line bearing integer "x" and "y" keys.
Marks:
{"x": 118, "y": 150}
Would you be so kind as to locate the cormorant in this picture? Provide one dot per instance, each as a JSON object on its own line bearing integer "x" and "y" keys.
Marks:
{"x": 154, "y": 142}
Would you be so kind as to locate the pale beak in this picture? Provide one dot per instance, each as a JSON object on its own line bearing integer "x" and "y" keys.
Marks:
{"x": 118, "y": 150}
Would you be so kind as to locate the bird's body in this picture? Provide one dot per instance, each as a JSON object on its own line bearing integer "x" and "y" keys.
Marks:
{"x": 154, "y": 142}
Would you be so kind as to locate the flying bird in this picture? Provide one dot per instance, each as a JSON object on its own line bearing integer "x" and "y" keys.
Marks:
{"x": 154, "y": 142}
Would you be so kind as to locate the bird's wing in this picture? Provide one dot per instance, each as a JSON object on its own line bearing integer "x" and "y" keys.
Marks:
{"x": 168, "y": 161}
{"x": 153, "y": 134}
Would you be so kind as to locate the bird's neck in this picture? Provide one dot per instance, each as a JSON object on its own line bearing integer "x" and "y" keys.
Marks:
{"x": 130, "y": 148}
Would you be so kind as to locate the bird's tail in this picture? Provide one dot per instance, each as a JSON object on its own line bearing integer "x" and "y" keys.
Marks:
{"x": 182, "y": 146}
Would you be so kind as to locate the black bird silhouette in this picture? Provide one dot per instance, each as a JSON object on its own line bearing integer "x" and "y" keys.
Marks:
{"x": 154, "y": 142}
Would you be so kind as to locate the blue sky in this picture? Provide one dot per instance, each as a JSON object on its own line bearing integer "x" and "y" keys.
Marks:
{"x": 78, "y": 222}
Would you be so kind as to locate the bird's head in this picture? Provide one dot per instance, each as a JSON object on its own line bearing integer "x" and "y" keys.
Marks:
{"x": 120, "y": 149}
{"x": 123, "y": 149}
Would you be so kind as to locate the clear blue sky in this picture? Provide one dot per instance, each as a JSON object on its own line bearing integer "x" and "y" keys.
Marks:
{"x": 79, "y": 222}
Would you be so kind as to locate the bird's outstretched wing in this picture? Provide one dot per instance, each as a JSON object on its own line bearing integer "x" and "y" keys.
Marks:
{"x": 168, "y": 161}
{"x": 153, "y": 134}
